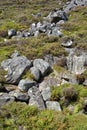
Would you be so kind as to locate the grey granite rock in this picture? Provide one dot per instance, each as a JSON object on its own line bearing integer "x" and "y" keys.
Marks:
{"x": 19, "y": 96}
{"x": 36, "y": 98}
{"x": 42, "y": 65}
{"x": 5, "y": 98}
{"x": 53, "y": 105}
{"x": 25, "y": 84}
{"x": 15, "y": 67}
{"x": 36, "y": 73}
{"x": 46, "y": 94}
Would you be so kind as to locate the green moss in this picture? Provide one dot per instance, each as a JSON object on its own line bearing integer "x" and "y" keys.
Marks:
{"x": 56, "y": 92}
{"x": 59, "y": 69}
{"x": 77, "y": 122}
{"x": 65, "y": 91}
{"x": 28, "y": 75}
{"x": 29, "y": 117}
{"x": 18, "y": 114}
{"x": 39, "y": 47}
{"x": 85, "y": 74}
{"x": 78, "y": 107}
{"x": 11, "y": 24}
{"x": 5, "y": 52}
{"x": 2, "y": 75}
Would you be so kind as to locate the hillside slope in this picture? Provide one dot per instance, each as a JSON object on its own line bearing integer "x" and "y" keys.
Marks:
{"x": 43, "y": 65}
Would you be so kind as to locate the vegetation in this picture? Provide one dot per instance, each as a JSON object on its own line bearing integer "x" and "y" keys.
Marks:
{"x": 32, "y": 48}
{"x": 69, "y": 94}
{"x": 18, "y": 14}
{"x": 76, "y": 26}
{"x": 27, "y": 75}
{"x": 18, "y": 115}
{"x": 2, "y": 75}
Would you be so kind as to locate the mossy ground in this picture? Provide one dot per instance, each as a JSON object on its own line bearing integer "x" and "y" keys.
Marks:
{"x": 18, "y": 14}
{"x": 32, "y": 48}
{"x": 16, "y": 115}
{"x": 74, "y": 94}
{"x": 76, "y": 26}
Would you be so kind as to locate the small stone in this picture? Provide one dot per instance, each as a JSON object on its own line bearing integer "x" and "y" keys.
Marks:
{"x": 36, "y": 73}
{"x": 11, "y": 32}
{"x": 53, "y": 105}
{"x": 25, "y": 84}
{"x": 46, "y": 94}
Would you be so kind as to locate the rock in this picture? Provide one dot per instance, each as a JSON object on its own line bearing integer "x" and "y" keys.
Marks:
{"x": 42, "y": 29}
{"x": 60, "y": 61}
{"x": 11, "y": 32}
{"x": 36, "y": 98}
{"x": 5, "y": 98}
{"x": 46, "y": 94}
{"x": 36, "y": 73}
{"x": 39, "y": 24}
{"x": 69, "y": 7}
{"x": 37, "y": 15}
{"x": 64, "y": 82}
{"x": 56, "y": 15}
{"x": 26, "y": 34}
{"x": 36, "y": 34}
{"x": 18, "y": 36}
{"x": 69, "y": 78}
{"x": 73, "y": 4}
{"x": 56, "y": 32}
{"x": 49, "y": 58}
{"x": 67, "y": 43}
{"x": 10, "y": 87}
{"x": 71, "y": 109}
{"x": 25, "y": 84}
{"x": 85, "y": 83}
{"x": 33, "y": 25}
{"x": 15, "y": 67}
{"x": 86, "y": 59}
{"x": 15, "y": 54}
{"x": 48, "y": 82}
{"x": 42, "y": 65}
{"x": 53, "y": 105}
{"x": 76, "y": 64}
{"x": 61, "y": 22}
{"x": 19, "y": 96}
{"x": 80, "y": 2}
